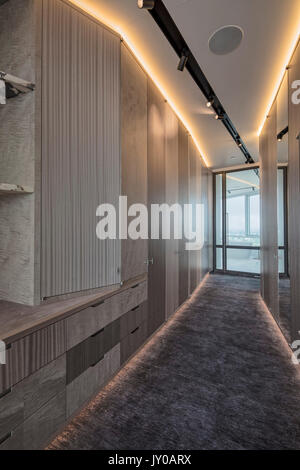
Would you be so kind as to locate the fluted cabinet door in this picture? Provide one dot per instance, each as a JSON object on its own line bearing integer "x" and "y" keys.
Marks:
{"x": 268, "y": 191}
{"x": 80, "y": 149}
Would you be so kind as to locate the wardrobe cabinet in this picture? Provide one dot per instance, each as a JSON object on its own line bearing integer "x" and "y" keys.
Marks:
{"x": 156, "y": 195}
{"x": 95, "y": 128}
{"x": 134, "y": 134}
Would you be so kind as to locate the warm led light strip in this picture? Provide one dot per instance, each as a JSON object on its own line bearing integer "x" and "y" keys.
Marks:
{"x": 92, "y": 12}
{"x": 281, "y": 76}
{"x": 234, "y": 178}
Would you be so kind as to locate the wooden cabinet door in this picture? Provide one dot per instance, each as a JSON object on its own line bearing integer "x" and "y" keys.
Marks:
{"x": 134, "y": 156}
{"x": 156, "y": 195}
{"x": 172, "y": 197}
{"x": 183, "y": 170}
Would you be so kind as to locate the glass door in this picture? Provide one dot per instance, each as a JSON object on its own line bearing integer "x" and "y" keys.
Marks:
{"x": 237, "y": 221}
{"x": 243, "y": 221}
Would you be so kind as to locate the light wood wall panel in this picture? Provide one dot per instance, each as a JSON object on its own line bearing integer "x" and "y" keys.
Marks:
{"x": 172, "y": 197}
{"x": 81, "y": 149}
{"x": 134, "y": 155}
{"x": 156, "y": 195}
{"x": 19, "y": 56}
{"x": 206, "y": 263}
{"x": 294, "y": 195}
{"x": 268, "y": 188}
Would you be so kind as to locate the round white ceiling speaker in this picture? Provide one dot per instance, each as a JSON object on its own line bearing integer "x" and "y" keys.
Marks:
{"x": 225, "y": 40}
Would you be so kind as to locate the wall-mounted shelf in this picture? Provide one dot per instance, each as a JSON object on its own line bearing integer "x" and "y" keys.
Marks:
{"x": 11, "y": 86}
{"x": 6, "y": 188}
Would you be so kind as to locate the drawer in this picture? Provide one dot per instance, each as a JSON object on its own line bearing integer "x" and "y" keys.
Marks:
{"x": 37, "y": 431}
{"x": 133, "y": 342}
{"x": 13, "y": 440}
{"x": 92, "y": 350}
{"x": 11, "y": 411}
{"x": 132, "y": 319}
{"x": 90, "y": 382}
{"x": 20, "y": 402}
{"x": 87, "y": 322}
{"x": 31, "y": 353}
{"x": 40, "y": 428}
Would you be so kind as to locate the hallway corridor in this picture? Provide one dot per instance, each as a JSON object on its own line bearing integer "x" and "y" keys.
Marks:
{"x": 217, "y": 376}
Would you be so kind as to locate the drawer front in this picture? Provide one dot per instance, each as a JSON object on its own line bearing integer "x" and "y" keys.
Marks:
{"x": 92, "y": 350}
{"x": 40, "y": 428}
{"x": 11, "y": 411}
{"x": 132, "y": 319}
{"x": 43, "y": 385}
{"x": 133, "y": 342}
{"x": 31, "y": 353}
{"x": 36, "y": 432}
{"x": 87, "y": 322}
{"x": 90, "y": 382}
{"x": 13, "y": 440}
{"x": 23, "y": 400}
{"x": 5, "y": 372}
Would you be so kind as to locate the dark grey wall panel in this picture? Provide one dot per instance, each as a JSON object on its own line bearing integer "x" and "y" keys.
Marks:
{"x": 81, "y": 149}
{"x": 134, "y": 156}
{"x": 268, "y": 190}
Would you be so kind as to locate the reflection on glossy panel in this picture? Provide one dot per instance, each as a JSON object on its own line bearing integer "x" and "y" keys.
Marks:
{"x": 219, "y": 258}
{"x": 244, "y": 261}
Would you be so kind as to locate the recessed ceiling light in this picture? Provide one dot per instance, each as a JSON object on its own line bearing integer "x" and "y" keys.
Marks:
{"x": 225, "y": 40}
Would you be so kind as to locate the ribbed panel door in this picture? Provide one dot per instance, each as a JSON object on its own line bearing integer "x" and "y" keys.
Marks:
{"x": 268, "y": 201}
{"x": 80, "y": 149}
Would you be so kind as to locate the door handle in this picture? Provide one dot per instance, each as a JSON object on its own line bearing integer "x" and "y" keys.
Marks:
{"x": 149, "y": 261}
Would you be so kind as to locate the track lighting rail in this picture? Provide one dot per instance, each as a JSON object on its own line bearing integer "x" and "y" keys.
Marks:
{"x": 162, "y": 17}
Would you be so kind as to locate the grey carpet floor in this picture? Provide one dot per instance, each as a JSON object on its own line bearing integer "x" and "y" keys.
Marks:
{"x": 218, "y": 376}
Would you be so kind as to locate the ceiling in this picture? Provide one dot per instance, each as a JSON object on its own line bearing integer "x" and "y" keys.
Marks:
{"x": 244, "y": 80}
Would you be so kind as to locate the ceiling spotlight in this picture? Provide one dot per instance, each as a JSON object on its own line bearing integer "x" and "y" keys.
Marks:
{"x": 279, "y": 139}
{"x": 210, "y": 103}
{"x": 146, "y": 4}
{"x": 219, "y": 116}
{"x": 239, "y": 143}
{"x": 183, "y": 61}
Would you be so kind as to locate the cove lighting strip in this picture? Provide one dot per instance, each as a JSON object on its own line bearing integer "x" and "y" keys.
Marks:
{"x": 81, "y": 4}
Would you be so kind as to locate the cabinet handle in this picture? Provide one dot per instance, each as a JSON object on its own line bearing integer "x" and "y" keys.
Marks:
{"x": 149, "y": 261}
{"x": 98, "y": 333}
{"x": 135, "y": 308}
{"x": 5, "y": 438}
{"x": 6, "y": 392}
{"x": 135, "y": 286}
{"x": 99, "y": 303}
{"x": 101, "y": 359}
{"x": 134, "y": 331}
